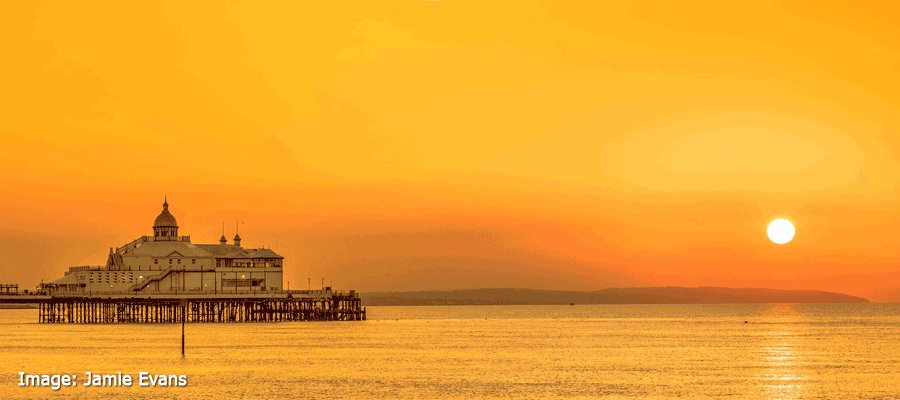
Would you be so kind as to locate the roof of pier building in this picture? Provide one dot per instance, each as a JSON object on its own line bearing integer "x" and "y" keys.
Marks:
{"x": 181, "y": 246}
{"x": 165, "y": 218}
{"x": 231, "y": 251}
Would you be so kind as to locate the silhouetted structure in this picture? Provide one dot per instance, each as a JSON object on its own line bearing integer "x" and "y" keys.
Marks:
{"x": 149, "y": 279}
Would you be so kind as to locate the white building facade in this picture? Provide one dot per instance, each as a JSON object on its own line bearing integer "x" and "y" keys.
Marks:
{"x": 168, "y": 263}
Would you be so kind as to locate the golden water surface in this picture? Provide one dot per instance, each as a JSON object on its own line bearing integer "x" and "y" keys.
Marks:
{"x": 840, "y": 351}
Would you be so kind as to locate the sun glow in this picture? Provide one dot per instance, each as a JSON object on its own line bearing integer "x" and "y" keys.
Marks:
{"x": 780, "y": 231}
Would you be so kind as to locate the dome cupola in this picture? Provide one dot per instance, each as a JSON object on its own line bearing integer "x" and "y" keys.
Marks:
{"x": 165, "y": 227}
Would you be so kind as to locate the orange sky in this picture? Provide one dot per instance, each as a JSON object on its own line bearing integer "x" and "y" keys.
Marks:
{"x": 455, "y": 144}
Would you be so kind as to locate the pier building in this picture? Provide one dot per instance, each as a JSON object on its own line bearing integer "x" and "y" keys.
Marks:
{"x": 169, "y": 262}
{"x": 166, "y": 278}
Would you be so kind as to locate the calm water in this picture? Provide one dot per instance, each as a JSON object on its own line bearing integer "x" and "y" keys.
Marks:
{"x": 602, "y": 351}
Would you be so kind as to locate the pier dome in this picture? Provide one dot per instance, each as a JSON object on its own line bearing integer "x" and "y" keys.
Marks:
{"x": 165, "y": 227}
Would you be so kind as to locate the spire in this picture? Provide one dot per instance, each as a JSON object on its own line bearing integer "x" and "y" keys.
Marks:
{"x": 166, "y": 203}
{"x": 237, "y": 235}
{"x": 222, "y": 239}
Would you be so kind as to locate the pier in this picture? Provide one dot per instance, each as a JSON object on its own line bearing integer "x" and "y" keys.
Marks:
{"x": 324, "y": 305}
{"x": 167, "y": 278}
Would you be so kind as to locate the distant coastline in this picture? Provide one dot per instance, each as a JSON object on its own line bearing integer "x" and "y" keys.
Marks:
{"x": 637, "y": 295}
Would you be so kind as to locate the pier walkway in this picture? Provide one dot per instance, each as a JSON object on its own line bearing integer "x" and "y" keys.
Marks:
{"x": 173, "y": 307}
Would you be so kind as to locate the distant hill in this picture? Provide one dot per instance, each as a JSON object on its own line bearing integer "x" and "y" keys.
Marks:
{"x": 639, "y": 295}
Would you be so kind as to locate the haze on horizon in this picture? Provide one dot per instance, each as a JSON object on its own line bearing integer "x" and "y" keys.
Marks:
{"x": 429, "y": 145}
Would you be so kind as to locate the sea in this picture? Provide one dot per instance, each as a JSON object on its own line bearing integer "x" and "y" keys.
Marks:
{"x": 741, "y": 351}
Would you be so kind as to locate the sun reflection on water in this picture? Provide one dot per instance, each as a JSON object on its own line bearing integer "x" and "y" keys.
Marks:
{"x": 783, "y": 376}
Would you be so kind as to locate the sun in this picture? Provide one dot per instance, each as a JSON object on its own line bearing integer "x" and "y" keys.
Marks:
{"x": 780, "y": 231}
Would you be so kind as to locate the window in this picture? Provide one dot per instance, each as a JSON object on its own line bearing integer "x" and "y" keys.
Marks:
{"x": 170, "y": 261}
{"x": 179, "y": 261}
{"x": 156, "y": 261}
{"x": 193, "y": 261}
{"x": 243, "y": 282}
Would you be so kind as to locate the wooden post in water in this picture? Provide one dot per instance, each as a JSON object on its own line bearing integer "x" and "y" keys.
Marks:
{"x": 183, "y": 308}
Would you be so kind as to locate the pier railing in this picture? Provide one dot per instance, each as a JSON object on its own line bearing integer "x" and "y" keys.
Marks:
{"x": 178, "y": 293}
